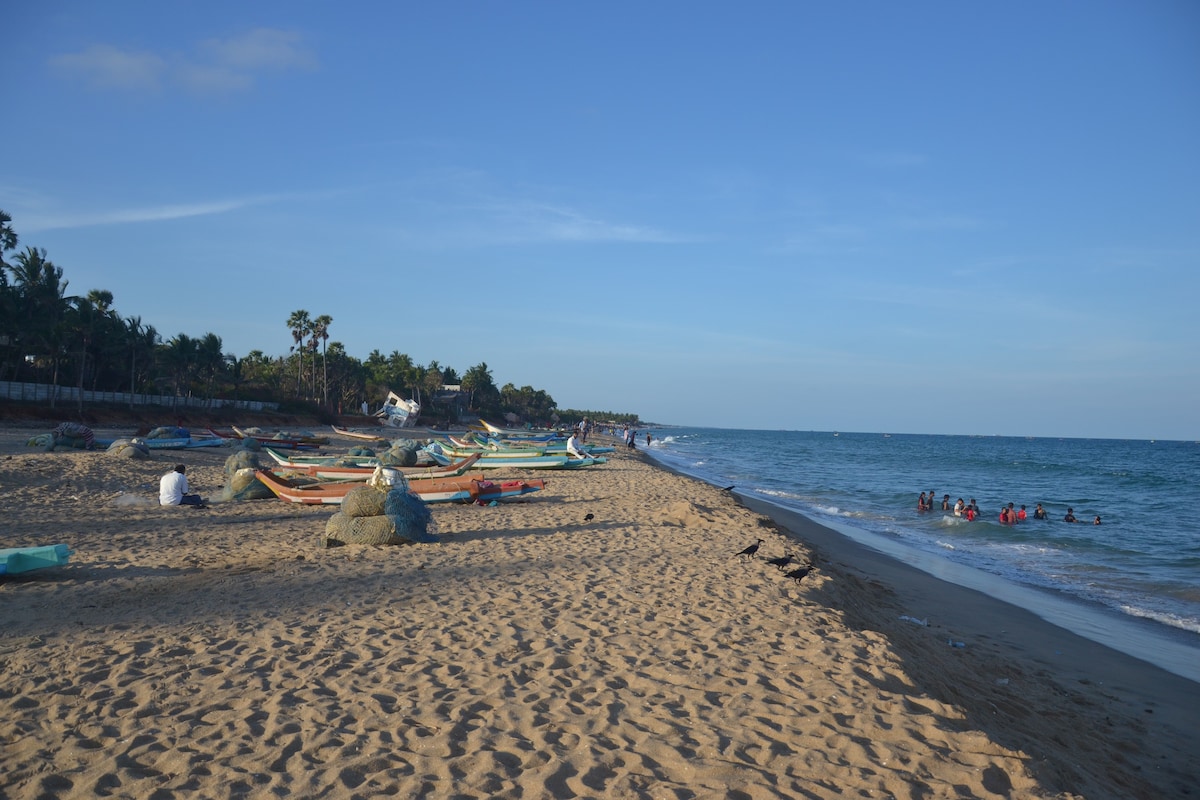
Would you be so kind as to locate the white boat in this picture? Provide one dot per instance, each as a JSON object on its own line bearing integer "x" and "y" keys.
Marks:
{"x": 396, "y": 412}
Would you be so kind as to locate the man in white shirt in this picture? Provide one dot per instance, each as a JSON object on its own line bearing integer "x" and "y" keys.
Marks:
{"x": 173, "y": 489}
{"x": 575, "y": 447}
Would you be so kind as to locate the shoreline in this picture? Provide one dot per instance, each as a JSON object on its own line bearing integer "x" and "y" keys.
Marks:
{"x": 534, "y": 653}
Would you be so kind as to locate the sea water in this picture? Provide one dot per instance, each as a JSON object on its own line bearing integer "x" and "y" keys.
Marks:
{"x": 1140, "y": 568}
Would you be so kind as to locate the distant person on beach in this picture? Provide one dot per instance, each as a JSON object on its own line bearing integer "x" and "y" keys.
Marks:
{"x": 173, "y": 489}
{"x": 633, "y": 439}
{"x": 1012, "y": 514}
{"x": 366, "y": 409}
{"x": 958, "y": 507}
{"x": 970, "y": 513}
{"x": 945, "y": 502}
{"x": 974, "y": 507}
{"x": 1039, "y": 512}
{"x": 1005, "y": 517}
{"x": 1070, "y": 517}
{"x": 921, "y": 502}
{"x": 1096, "y": 521}
{"x": 929, "y": 501}
{"x": 649, "y": 439}
{"x": 1022, "y": 515}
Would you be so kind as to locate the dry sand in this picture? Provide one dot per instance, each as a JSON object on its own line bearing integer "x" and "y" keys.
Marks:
{"x": 532, "y": 654}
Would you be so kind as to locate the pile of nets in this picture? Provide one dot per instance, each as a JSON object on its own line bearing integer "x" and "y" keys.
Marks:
{"x": 402, "y": 453}
{"x": 169, "y": 432}
{"x": 241, "y": 482}
{"x": 381, "y": 512}
{"x": 129, "y": 448}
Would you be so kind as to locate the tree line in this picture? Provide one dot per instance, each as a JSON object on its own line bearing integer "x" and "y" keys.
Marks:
{"x": 50, "y": 336}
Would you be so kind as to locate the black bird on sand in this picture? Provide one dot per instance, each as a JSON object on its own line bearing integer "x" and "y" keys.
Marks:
{"x": 752, "y": 549}
{"x": 589, "y": 517}
{"x": 782, "y": 561}
{"x": 799, "y": 574}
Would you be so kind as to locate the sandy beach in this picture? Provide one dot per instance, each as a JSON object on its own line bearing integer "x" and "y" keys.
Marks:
{"x": 533, "y": 653}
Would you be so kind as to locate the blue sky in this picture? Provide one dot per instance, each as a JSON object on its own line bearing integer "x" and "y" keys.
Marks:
{"x": 908, "y": 217}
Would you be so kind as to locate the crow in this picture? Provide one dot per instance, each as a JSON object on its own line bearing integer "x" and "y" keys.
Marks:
{"x": 781, "y": 562}
{"x": 728, "y": 488}
{"x": 752, "y": 549}
{"x": 799, "y": 574}
{"x": 589, "y": 517}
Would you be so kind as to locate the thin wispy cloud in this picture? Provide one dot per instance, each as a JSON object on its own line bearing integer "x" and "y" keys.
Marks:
{"x": 106, "y": 67}
{"x": 227, "y": 65}
{"x": 32, "y": 223}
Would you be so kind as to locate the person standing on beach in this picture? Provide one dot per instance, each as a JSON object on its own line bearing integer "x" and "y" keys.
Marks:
{"x": 649, "y": 439}
{"x": 173, "y": 489}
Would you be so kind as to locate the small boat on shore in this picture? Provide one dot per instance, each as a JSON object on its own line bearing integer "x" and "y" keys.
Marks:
{"x": 333, "y": 472}
{"x": 370, "y": 437}
{"x": 463, "y": 489}
{"x": 282, "y": 444}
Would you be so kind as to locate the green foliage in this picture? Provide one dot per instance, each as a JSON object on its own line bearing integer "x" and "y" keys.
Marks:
{"x": 46, "y": 333}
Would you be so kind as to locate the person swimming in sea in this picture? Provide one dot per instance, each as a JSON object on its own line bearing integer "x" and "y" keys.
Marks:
{"x": 1096, "y": 521}
{"x": 1039, "y": 512}
{"x": 958, "y": 507}
{"x": 1070, "y": 517}
{"x": 921, "y": 502}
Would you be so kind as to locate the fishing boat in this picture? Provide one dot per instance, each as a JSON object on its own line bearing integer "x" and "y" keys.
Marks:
{"x": 493, "y": 461}
{"x": 281, "y": 444}
{"x": 463, "y": 489}
{"x": 371, "y": 437}
{"x": 326, "y": 460}
{"x": 396, "y": 412}
{"x": 333, "y": 472}
{"x": 182, "y": 443}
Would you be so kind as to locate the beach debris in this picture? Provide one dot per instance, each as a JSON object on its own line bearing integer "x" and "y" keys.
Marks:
{"x": 588, "y": 517}
{"x": 953, "y": 643}
{"x": 924, "y": 623}
{"x": 751, "y": 550}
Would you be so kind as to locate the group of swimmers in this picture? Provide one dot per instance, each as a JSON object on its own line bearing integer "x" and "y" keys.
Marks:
{"x": 1008, "y": 514}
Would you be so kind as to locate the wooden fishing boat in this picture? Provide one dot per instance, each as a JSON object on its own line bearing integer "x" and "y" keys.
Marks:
{"x": 280, "y": 444}
{"x": 371, "y": 437}
{"x": 262, "y": 437}
{"x": 463, "y": 489}
{"x": 337, "y": 473}
{"x": 490, "y": 461}
{"x": 305, "y": 461}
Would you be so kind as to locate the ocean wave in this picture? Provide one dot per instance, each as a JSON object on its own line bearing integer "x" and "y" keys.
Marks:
{"x": 1164, "y": 618}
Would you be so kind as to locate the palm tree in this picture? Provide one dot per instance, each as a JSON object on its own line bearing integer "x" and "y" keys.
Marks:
{"x": 299, "y": 323}
{"x": 141, "y": 342}
{"x": 8, "y": 237}
{"x": 209, "y": 361}
{"x": 179, "y": 355}
{"x": 320, "y": 330}
{"x": 87, "y": 310}
{"x": 43, "y": 301}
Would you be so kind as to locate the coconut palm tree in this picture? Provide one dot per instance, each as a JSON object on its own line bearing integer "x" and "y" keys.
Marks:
{"x": 299, "y": 323}
{"x": 44, "y": 304}
{"x": 320, "y": 331}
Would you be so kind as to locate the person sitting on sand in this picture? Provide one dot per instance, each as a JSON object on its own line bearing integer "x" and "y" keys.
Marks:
{"x": 1070, "y": 517}
{"x": 575, "y": 447}
{"x": 173, "y": 489}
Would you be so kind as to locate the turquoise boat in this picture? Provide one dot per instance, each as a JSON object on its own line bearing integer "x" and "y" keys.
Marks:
{"x": 16, "y": 560}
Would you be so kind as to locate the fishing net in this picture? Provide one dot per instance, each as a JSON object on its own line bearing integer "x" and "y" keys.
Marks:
{"x": 168, "y": 432}
{"x": 404, "y": 518}
{"x": 361, "y": 451}
{"x": 365, "y": 501}
{"x": 129, "y": 448}
{"x": 244, "y": 485}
